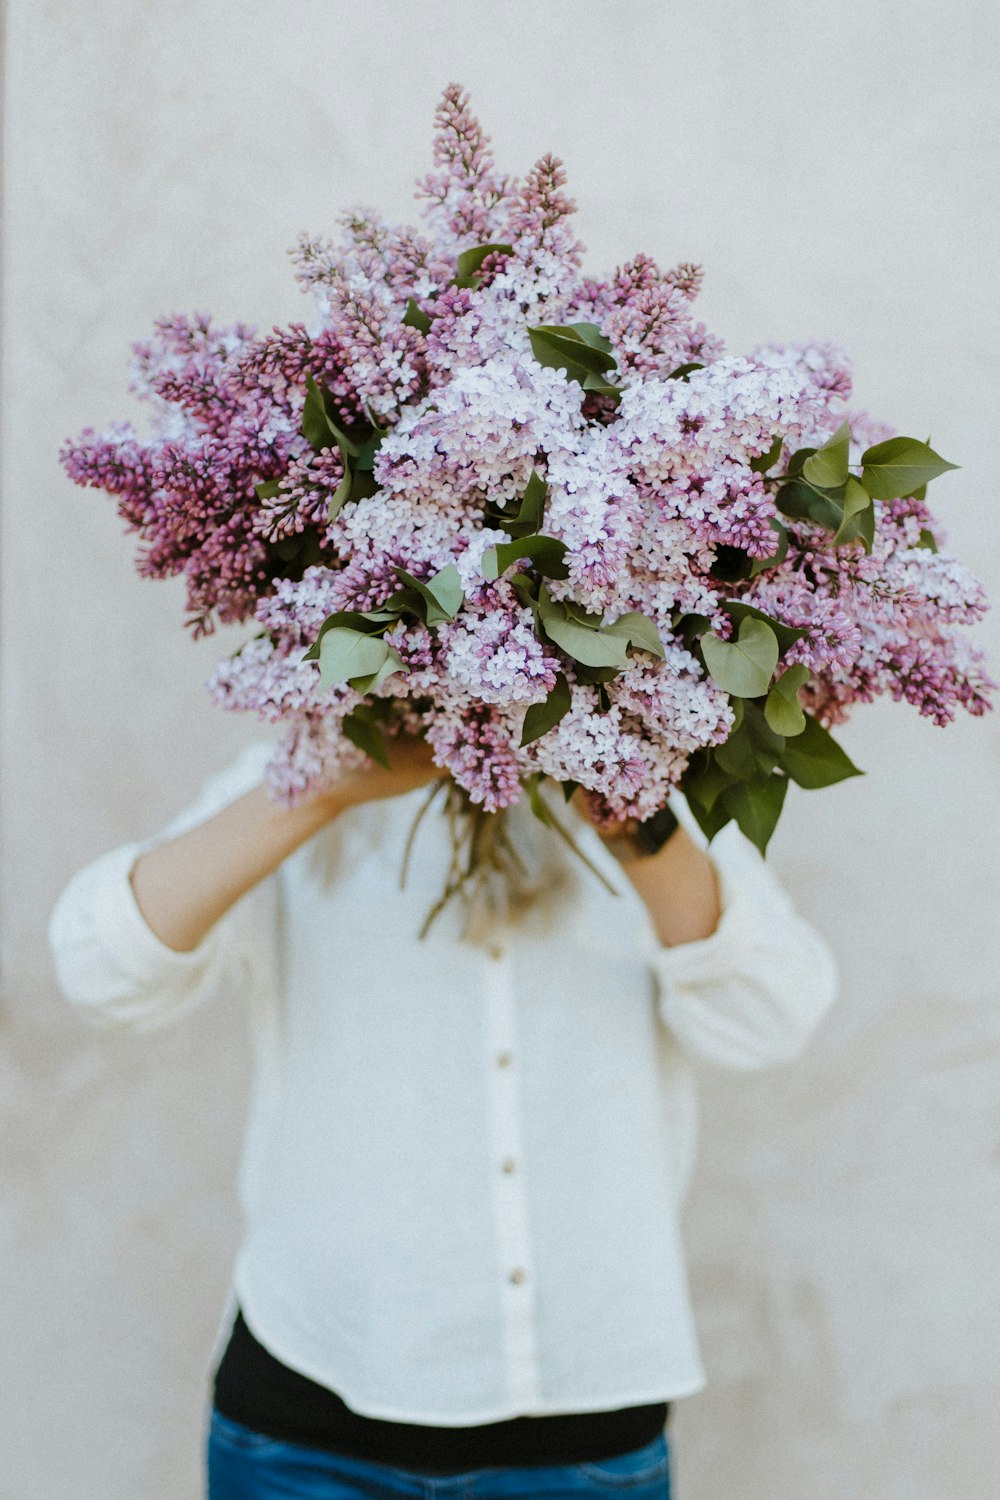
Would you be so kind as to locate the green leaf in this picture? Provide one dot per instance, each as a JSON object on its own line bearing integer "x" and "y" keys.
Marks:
{"x": 753, "y": 747}
{"x": 531, "y": 511}
{"x": 756, "y": 807}
{"x": 736, "y": 758}
{"x": 526, "y": 518}
{"x": 742, "y": 666}
{"x": 362, "y": 731}
{"x": 706, "y": 785}
{"x": 765, "y": 461}
{"x": 856, "y": 501}
{"x": 562, "y": 348}
{"x": 575, "y": 611}
{"x": 866, "y": 527}
{"x": 318, "y": 427}
{"x": 393, "y": 663}
{"x": 545, "y": 552}
{"x": 469, "y": 262}
{"x": 268, "y": 489}
{"x": 596, "y": 677}
{"x": 639, "y": 630}
{"x": 927, "y": 539}
{"x": 759, "y": 564}
{"x": 365, "y": 622}
{"x": 814, "y": 759}
{"x": 792, "y": 679}
{"x": 683, "y": 371}
{"x": 360, "y": 445}
{"x": 899, "y": 466}
{"x": 415, "y": 317}
{"x": 541, "y": 717}
{"x": 827, "y": 467}
{"x": 315, "y": 425}
{"x": 446, "y": 588}
{"x": 767, "y": 742}
{"x": 591, "y": 647}
{"x": 583, "y": 643}
{"x": 799, "y": 498}
{"x": 786, "y": 635}
{"x": 592, "y": 335}
{"x": 527, "y": 590}
{"x": 710, "y": 819}
{"x": 600, "y": 386}
{"x": 366, "y": 453}
{"x": 340, "y": 495}
{"x": 345, "y": 653}
{"x": 441, "y": 596}
{"x": 783, "y": 711}
{"x": 362, "y": 485}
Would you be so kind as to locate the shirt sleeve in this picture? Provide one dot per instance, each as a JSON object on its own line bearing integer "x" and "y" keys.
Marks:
{"x": 752, "y": 993}
{"x": 111, "y": 966}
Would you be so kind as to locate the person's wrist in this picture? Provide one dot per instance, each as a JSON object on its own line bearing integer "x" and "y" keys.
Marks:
{"x": 325, "y": 803}
{"x": 340, "y": 798}
{"x": 633, "y": 841}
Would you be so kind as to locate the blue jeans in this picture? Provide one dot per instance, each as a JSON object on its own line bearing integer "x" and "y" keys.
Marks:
{"x": 247, "y": 1465}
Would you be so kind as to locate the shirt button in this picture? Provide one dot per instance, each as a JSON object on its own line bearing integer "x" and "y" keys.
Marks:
{"x": 508, "y": 1164}
{"x": 503, "y": 1059}
{"x": 517, "y": 1275}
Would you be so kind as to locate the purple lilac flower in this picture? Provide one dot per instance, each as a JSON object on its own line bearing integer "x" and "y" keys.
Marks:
{"x": 646, "y": 492}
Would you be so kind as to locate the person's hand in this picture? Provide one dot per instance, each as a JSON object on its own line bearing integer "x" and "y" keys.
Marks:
{"x": 631, "y": 839}
{"x": 410, "y": 766}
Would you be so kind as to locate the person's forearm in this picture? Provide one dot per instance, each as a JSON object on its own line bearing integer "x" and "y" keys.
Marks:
{"x": 184, "y": 885}
{"x": 678, "y": 885}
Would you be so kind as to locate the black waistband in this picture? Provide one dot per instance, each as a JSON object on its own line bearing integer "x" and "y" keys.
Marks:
{"x": 257, "y": 1390}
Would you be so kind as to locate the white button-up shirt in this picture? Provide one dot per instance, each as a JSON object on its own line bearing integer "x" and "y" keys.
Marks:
{"x": 462, "y": 1170}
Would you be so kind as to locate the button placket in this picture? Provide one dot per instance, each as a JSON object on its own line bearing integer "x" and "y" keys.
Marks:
{"x": 515, "y": 1258}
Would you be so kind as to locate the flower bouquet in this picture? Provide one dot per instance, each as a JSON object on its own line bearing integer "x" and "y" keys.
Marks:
{"x": 542, "y": 520}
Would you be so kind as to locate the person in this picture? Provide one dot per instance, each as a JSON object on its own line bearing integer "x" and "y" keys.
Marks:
{"x": 464, "y": 1161}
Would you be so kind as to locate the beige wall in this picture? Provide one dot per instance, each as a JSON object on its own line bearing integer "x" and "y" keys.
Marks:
{"x": 831, "y": 166}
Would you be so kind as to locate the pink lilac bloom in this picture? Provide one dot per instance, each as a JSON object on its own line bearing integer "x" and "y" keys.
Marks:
{"x": 465, "y": 195}
{"x": 493, "y": 650}
{"x": 475, "y": 745}
{"x": 651, "y": 490}
{"x": 608, "y": 754}
{"x": 596, "y": 510}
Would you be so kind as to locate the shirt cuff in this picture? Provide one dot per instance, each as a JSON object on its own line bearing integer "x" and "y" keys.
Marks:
{"x": 704, "y": 959}
{"x": 124, "y": 932}
{"x": 750, "y": 994}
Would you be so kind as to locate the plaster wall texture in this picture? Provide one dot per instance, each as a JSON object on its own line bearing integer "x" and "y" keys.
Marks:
{"x": 834, "y": 169}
